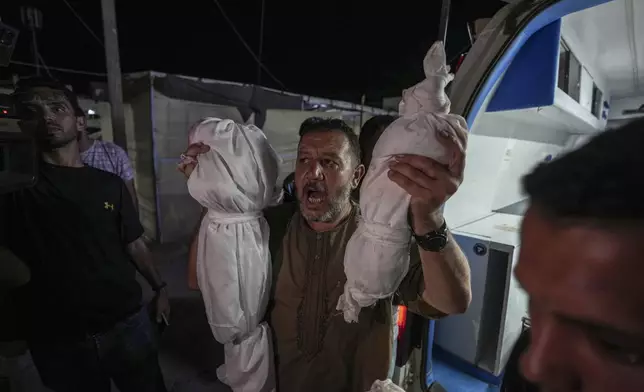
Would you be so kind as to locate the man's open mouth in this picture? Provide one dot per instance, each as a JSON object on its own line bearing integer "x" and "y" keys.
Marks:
{"x": 314, "y": 195}
{"x": 53, "y": 128}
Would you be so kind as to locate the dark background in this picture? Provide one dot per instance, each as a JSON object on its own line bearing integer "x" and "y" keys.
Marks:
{"x": 335, "y": 48}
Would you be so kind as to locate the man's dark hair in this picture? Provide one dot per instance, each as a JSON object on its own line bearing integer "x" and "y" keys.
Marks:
{"x": 288, "y": 186}
{"x": 289, "y": 179}
{"x": 25, "y": 85}
{"x": 318, "y": 124}
{"x": 601, "y": 181}
{"x": 370, "y": 129}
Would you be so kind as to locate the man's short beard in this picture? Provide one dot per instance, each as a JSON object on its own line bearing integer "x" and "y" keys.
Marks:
{"x": 51, "y": 145}
{"x": 337, "y": 206}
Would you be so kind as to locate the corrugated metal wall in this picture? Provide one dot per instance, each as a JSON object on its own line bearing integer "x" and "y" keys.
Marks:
{"x": 139, "y": 145}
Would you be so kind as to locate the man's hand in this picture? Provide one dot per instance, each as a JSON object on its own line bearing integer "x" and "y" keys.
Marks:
{"x": 430, "y": 186}
{"x": 162, "y": 306}
{"x": 429, "y": 183}
{"x": 142, "y": 259}
{"x": 189, "y": 158}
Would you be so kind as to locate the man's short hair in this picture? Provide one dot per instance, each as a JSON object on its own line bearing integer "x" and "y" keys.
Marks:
{"x": 319, "y": 124}
{"x": 600, "y": 182}
{"x": 371, "y": 128}
{"x": 26, "y": 84}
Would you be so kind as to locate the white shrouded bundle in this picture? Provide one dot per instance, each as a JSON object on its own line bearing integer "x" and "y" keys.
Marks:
{"x": 385, "y": 386}
{"x": 235, "y": 181}
{"x": 377, "y": 255}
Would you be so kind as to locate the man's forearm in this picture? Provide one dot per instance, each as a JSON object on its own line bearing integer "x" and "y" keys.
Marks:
{"x": 447, "y": 278}
{"x": 142, "y": 258}
{"x": 446, "y": 274}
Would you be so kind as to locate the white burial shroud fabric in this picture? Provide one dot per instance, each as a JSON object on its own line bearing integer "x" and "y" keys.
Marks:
{"x": 385, "y": 386}
{"x": 235, "y": 181}
{"x": 377, "y": 255}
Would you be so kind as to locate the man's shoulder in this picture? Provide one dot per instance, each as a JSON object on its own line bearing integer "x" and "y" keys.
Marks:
{"x": 103, "y": 176}
{"x": 112, "y": 148}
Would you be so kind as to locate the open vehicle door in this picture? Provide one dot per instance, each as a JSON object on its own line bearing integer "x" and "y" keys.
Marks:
{"x": 534, "y": 84}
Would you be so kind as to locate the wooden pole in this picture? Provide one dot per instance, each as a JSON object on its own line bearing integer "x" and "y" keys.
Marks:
{"x": 114, "y": 80}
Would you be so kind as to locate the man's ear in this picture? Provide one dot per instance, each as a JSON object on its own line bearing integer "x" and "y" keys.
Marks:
{"x": 81, "y": 123}
{"x": 358, "y": 173}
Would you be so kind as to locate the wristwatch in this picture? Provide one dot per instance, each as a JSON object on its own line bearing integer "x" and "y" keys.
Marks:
{"x": 434, "y": 241}
{"x": 160, "y": 287}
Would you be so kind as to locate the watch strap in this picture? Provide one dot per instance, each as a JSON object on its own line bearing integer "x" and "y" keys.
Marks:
{"x": 435, "y": 240}
{"x": 160, "y": 287}
{"x": 442, "y": 230}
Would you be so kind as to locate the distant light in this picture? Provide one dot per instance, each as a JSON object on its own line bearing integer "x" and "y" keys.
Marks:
{"x": 4, "y": 111}
{"x": 91, "y": 112}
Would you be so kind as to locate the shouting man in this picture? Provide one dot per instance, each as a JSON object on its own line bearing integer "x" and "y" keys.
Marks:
{"x": 316, "y": 349}
{"x": 78, "y": 232}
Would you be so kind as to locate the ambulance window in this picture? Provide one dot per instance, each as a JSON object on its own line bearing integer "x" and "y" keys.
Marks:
{"x": 569, "y": 72}
{"x": 574, "y": 81}
{"x": 598, "y": 97}
{"x": 564, "y": 61}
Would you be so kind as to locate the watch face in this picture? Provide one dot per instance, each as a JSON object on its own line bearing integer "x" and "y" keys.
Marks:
{"x": 434, "y": 243}
{"x": 438, "y": 242}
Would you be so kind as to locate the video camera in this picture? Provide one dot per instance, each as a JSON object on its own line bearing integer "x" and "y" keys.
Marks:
{"x": 18, "y": 156}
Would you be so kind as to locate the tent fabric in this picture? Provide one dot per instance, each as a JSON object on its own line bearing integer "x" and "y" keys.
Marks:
{"x": 377, "y": 255}
{"x": 235, "y": 181}
{"x": 248, "y": 99}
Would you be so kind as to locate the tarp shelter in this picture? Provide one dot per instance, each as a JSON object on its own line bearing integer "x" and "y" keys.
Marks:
{"x": 161, "y": 108}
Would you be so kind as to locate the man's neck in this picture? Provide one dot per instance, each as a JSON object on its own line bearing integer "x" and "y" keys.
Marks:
{"x": 85, "y": 142}
{"x": 67, "y": 155}
{"x": 321, "y": 227}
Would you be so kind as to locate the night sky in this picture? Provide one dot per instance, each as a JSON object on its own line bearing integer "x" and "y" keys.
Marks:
{"x": 335, "y": 48}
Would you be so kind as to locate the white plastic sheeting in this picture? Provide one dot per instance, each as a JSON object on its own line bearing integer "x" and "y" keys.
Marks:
{"x": 377, "y": 255}
{"x": 235, "y": 182}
